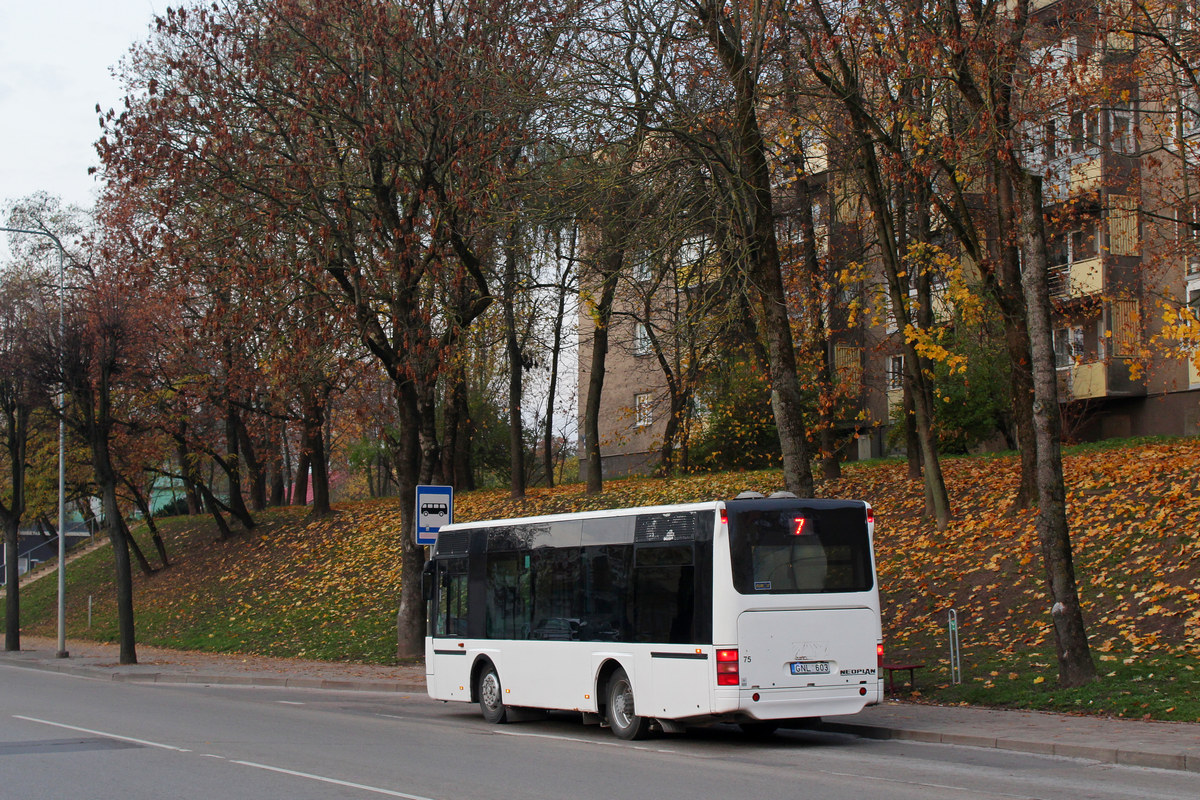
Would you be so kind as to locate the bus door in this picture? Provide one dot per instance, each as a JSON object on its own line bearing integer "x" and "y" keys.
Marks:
{"x": 447, "y": 670}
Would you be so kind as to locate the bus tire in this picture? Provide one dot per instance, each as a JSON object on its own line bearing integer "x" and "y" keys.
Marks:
{"x": 491, "y": 697}
{"x": 622, "y": 717}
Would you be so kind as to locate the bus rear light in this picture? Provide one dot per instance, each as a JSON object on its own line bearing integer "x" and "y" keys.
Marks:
{"x": 879, "y": 653}
{"x": 724, "y": 517}
{"x": 870, "y": 515}
{"x": 727, "y": 668}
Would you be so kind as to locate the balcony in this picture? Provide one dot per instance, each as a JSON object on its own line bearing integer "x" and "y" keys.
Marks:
{"x": 1083, "y": 381}
{"x": 1077, "y": 279}
{"x": 816, "y": 157}
{"x": 1085, "y": 175}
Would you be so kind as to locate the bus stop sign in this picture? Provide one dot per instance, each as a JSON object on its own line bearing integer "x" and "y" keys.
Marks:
{"x": 435, "y": 508}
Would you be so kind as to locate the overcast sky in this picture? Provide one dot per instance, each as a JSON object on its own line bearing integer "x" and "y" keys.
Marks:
{"x": 56, "y": 58}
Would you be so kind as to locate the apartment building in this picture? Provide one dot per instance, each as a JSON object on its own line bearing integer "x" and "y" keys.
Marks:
{"x": 1117, "y": 153}
{"x": 1118, "y": 145}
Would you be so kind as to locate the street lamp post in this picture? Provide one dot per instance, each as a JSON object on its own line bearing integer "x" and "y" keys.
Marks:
{"x": 62, "y": 536}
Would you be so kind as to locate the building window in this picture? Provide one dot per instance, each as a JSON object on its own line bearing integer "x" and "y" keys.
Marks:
{"x": 1049, "y": 140}
{"x": 690, "y": 258}
{"x": 692, "y": 250}
{"x": 1083, "y": 244}
{"x": 639, "y": 265}
{"x": 1120, "y": 132}
{"x": 1193, "y": 296}
{"x": 895, "y": 373}
{"x": 1068, "y": 346}
{"x": 1187, "y": 218}
{"x": 1189, "y": 113}
{"x": 643, "y": 410}
{"x": 641, "y": 339}
{"x": 1072, "y": 246}
{"x": 1082, "y": 131}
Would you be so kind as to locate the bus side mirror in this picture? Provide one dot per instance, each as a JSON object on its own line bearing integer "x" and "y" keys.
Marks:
{"x": 427, "y": 574}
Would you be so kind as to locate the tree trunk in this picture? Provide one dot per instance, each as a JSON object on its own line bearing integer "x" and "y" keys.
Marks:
{"x": 300, "y": 484}
{"x": 429, "y": 448}
{"x": 1011, "y": 300}
{"x": 187, "y": 471}
{"x": 818, "y": 339}
{"x": 98, "y": 424}
{"x": 516, "y": 432}
{"x": 255, "y": 467}
{"x": 140, "y": 499}
{"x": 889, "y": 235}
{"x": 555, "y": 351}
{"x": 278, "y": 486}
{"x": 320, "y": 474}
{"x": 410, "y": 616}
{"x": 117, "y": 534}
{"x": 12, "y": 587}
{"x": 231, "y": 465}
{"x": 214, "y": 507}
{"x": 143, "y": 562}
{"x": 762, "y": 248}
{"x": 601, "y": 318}
{"x": 16, "y": 441}
{"x": 314, "y": 449}
{"x": 666, "y": 451}
{"x": 456, "y": 435}
{"x": 1075, "y": 665}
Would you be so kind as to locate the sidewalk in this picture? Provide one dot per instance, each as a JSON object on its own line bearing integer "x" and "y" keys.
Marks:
{"x": 1163, "y": 745}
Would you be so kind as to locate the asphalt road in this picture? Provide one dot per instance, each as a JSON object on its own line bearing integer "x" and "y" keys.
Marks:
{"x": 65, "y": 736}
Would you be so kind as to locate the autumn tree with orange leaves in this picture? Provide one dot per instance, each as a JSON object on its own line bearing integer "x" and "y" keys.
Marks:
{"x": 373, "y": 133}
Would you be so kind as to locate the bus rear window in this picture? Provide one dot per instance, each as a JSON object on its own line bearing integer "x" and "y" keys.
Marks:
{"x": 799, "y": 549}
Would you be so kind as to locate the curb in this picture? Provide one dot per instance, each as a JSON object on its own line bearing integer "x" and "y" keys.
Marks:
{"x": 1109, "y": 755}
{"x": 219, "y": 679}
{"x": 1106, "y": 755}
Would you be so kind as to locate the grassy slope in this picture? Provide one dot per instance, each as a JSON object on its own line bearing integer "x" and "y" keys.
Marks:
{"x": 329, "y": 589}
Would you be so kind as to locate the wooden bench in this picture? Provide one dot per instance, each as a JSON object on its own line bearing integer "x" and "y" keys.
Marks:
{"x": 900, "y": 666}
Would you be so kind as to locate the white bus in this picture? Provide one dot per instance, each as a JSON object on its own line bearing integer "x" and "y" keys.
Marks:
{"x": 758, "y": 611}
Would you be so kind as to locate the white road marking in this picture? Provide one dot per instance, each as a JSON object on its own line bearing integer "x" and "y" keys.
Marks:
{"x": 860, "y": 776}
{"x": 267, "y": 767}
{"x": 333, "y": 781}
{"x": 290, "y": 702}
{"x": 159, "y": 745}
{"x": 589, "y": 741}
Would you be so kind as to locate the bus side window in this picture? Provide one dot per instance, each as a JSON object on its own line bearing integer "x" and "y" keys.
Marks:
{"x": 664, "y": 593}
{"x": 606, "y": 576}
{"x": 451, "y": 610}
{"x": 508, "y": 606}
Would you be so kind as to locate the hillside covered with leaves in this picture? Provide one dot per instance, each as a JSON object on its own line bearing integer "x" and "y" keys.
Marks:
{"x": 329, "y": 588}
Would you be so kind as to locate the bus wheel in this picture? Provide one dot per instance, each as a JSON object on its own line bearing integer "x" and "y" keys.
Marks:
{"x": 623, "y": 720}
{"x": 491, "y": 701}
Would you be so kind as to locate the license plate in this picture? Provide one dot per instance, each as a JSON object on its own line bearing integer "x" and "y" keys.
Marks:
{"x": 810, "y": 667}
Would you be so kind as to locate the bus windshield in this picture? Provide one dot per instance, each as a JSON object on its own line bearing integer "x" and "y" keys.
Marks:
{"x": 799, "y": 547}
